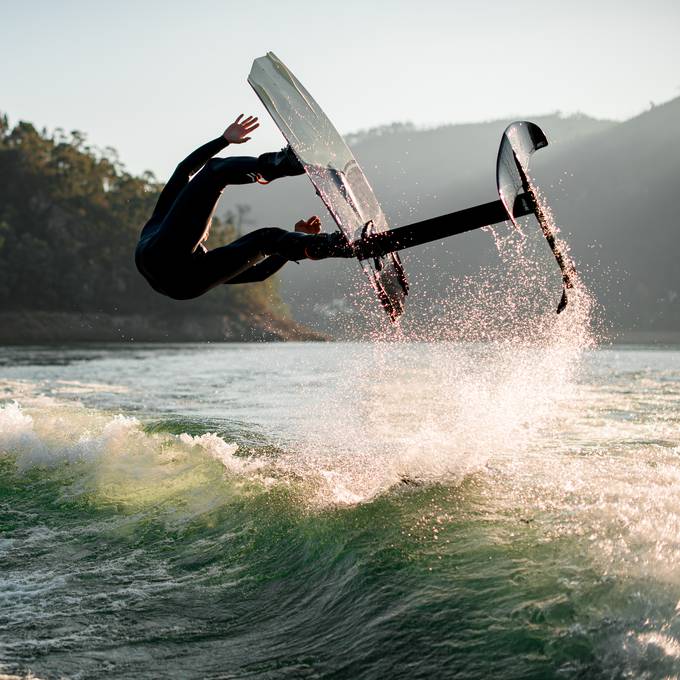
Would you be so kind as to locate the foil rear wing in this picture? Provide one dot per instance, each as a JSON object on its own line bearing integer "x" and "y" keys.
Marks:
{"x": 517, "y": 198}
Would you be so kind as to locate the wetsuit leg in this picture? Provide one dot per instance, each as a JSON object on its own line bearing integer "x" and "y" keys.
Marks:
{"x": 223, "y": 264}
{"x": 188, "y": 219}
{"x": 238, "y": 262}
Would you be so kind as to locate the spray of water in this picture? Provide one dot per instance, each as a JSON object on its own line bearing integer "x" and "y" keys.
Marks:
{"x": 486, "y": 375}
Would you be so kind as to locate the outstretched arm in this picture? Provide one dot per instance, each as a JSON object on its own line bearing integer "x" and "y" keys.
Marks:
{"x": 237, "y": 133}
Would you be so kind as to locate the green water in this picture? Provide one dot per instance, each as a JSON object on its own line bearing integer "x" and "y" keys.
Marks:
{"x": 276, "y": 511}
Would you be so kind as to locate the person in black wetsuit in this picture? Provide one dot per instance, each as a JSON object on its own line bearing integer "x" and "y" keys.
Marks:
{"x": 170, "y": 253}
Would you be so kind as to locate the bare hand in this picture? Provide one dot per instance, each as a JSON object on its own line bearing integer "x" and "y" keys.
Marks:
{"x": 310, "y": 226}
{"x": 237, "y": 132}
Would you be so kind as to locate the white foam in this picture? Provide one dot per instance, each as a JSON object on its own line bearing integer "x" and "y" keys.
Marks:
{"x": 16, "y": 432}
{"x": 642, "y": 655}
{"x": 217, "y": 448}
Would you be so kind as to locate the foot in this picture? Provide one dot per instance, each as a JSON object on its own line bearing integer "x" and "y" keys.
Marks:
{"x": 275, "y": 164}
{"x": 301, "y": 246}
{"x": 291, "y": 245}
{"x": 328, "y": 245}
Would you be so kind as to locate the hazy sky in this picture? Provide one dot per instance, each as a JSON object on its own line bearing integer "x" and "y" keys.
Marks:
{"x": 155, "y": 79}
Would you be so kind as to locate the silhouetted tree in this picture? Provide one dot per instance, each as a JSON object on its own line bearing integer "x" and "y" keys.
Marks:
{"x": 70, "y": 216}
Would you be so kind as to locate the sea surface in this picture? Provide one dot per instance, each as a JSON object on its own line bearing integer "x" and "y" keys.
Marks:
{"x": 336, "y": 510}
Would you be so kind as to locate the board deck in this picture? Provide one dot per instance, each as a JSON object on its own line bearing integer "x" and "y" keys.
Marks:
{"x": 332, "y": 168}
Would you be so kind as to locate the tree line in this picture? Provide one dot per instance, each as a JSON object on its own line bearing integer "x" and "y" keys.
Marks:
{"x": 70, "y": 217}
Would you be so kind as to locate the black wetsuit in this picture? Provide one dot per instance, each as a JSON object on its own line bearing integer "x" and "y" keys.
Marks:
{"x": 170, "y": 253}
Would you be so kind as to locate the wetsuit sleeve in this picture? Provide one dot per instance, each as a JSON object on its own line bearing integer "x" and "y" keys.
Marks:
{"x": 261, "y": 271}
{"x": 188, "y": 167}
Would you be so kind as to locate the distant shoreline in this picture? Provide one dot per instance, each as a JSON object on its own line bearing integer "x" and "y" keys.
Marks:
{"x": 38, "y": 327}
{"x": 646, "y": 338}
{"x": 49, "y": 328}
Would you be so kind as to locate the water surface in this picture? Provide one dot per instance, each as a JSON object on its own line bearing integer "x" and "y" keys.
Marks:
{"x": 415, "y": 510}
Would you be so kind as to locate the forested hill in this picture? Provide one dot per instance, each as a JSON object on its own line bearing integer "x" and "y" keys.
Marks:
{"x": 70, "y": 216}
{"x": 613, "y": 187}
